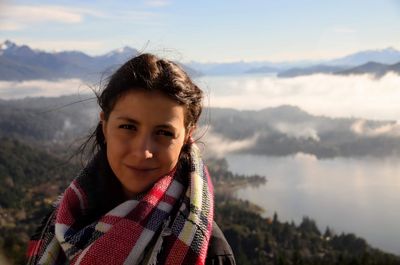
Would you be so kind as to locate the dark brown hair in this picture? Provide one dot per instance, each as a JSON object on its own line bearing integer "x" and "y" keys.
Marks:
{"x": 149, "y": 73}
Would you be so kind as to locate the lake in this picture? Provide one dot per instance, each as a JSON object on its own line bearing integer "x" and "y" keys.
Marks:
{"x": 358, "y": 196}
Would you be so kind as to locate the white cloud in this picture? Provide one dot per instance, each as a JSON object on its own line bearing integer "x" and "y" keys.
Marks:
{"x": 299, "y": 131}
{"x": 305, "y": 158}
{"x": 335, "y": 96}
{"x": 218, "y": 145}
{"x": 345, "y": 30}
{"x": 389, "y": 129}
{"x": 158, "y": 3}
{"x": 16, "y": 17}
{"x": 137, "y": 16}
{"x": 36, "y": 88}
{"x": 10, "y": 26}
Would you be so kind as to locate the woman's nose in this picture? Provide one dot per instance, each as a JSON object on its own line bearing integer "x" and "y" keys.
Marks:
{"x": 143, "y": 147}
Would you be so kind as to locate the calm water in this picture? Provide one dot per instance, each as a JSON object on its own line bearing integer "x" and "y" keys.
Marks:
{"x": 349, "y": 195}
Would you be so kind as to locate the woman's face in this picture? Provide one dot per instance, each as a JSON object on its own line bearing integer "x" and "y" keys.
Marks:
{"x": 144, "y": 133}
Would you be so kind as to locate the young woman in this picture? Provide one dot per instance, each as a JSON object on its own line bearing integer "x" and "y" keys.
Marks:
{"x": 145, "y": 197}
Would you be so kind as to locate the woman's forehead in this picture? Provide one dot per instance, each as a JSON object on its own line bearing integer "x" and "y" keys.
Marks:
{"x": 143, "y": 106}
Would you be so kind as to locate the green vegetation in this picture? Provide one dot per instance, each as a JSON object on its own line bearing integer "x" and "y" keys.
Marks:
{"x": 226, "y": 182}
{"x": 286, "y": 130}
{"x": 31, "y": 178}
{"x": 44, "y": 120}
{"x": 258, "y": 240}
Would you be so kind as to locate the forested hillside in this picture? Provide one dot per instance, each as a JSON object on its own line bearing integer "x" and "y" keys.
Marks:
{"x": 277, "y": 131}
{"x": 32, "y": 178}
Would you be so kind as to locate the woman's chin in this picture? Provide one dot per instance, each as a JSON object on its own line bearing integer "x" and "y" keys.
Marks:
{"x": 134, "y": 184}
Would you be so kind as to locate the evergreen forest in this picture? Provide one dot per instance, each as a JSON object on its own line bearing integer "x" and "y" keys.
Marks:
{"x": 32, "y": 177}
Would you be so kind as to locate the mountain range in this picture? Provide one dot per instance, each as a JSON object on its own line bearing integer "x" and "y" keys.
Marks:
{"x": 350, "y": 64}
{"x": 374, "y": 69}
{"x": 24, "y": 63}
{"x": 385, "y": 56}
{"x": 20, "y": 62}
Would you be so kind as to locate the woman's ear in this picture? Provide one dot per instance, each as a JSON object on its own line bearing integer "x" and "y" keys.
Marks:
{"x": 103, "y": 124}
{"x": 189, "y": 134}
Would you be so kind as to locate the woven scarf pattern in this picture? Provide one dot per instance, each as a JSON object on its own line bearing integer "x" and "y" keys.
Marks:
{"x": 123, "y": 235}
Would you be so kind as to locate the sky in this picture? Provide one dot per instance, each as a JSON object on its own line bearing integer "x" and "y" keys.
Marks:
{"x": 207, "y": 30}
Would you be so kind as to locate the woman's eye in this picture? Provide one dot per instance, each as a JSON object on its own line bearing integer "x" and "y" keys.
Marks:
{"x": 127, "y": 126}
{"x": 165, "y": 133}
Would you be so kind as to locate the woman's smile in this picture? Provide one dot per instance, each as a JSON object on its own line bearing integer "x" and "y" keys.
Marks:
{"x": 142, "y": 171}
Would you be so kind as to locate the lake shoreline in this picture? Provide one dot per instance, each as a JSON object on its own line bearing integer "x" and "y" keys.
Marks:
{"x": 360, "y": 191}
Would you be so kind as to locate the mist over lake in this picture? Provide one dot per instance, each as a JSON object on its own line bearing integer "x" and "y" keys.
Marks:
{"x": 360, "y": 96}
{"x": 360, "y": 196}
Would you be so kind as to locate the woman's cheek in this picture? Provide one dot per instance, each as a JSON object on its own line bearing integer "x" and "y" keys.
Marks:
{"x": 119, "y": 145}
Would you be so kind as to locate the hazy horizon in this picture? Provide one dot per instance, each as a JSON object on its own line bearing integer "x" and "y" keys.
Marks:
{"x": 206, "y": 31}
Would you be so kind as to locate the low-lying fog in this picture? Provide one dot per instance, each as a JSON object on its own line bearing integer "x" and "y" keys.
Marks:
{"x": 334, "y": 96}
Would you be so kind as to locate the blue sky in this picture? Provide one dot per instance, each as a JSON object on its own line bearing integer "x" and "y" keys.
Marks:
{"x": 206, "y": 31}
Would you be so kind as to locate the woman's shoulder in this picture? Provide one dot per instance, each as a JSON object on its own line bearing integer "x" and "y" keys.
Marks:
{"x": 219, "y": 250}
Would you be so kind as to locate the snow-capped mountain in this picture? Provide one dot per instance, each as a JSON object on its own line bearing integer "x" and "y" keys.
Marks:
{"x": 124, "y": 51}
{"x": 23, "y": 63}
{"x": 383, "y": 56}
{"x": 7, "y": 46}
{"x": 20, "y": 62}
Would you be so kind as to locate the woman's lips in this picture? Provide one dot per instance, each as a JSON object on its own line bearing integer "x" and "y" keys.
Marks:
{"x": 142, "y": 170}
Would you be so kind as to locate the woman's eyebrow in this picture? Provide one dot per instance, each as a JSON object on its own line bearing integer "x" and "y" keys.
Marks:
{"x": 128, "y": 119}
{"x": 163, "y": 126}
{"x": 166, "y": 126}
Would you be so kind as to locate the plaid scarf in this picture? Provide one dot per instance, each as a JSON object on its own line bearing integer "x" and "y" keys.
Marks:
{"x": 169, "y": 224}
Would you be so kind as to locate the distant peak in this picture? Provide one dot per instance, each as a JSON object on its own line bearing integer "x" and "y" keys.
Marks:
{"x": 7, "y": 45}
{"x": 125, "y": 48}
{"x": 121, "y": 51}
{"x": 390, "y": 49}
{"x": 373, "y": 63}
{"x": 288, "y": 108}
